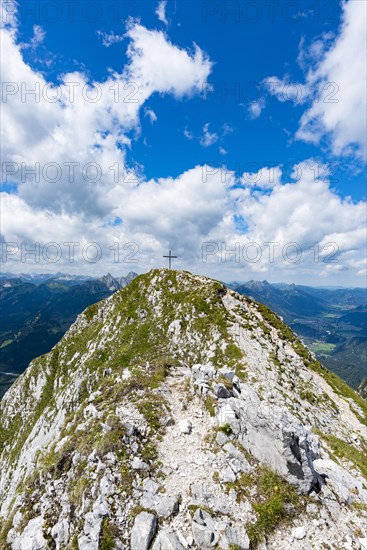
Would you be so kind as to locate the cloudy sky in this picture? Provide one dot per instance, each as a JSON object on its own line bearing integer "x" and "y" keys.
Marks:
{"x": 232, "y": 133}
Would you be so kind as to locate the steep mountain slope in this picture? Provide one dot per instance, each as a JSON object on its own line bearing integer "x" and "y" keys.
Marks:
{"x": 332, "y": 322}
{"x": 35, "y": 317}
{"x": 179, "y": 414}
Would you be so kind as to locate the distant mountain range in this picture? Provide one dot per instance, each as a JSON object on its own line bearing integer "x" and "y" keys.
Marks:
{"x": 37, "y": 310}
{"x": 332, "y": 321}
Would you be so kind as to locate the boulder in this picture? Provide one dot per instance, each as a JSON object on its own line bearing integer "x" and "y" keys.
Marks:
{"x": 276, "y": 437}
{"x": 221, "y": 391}
{"x": 143, "y": 531}
{"x": 138, "y": 464}
{"x": 150, "y": 486}
{"x": 227, "y": 475}
{"x": 167, "y": 506}
{"x": 185, "y": 426}
{"x": 167, "y": 540}
{"x": 204, "y": 531}
{"x": 32, "y": 537}
{"x": 234, "y": 537}
{"x": 299, "y": 533}
{"x": 60, "y": 534}
{"x": 347, "y": 487}
{"x": 221, "y": 438}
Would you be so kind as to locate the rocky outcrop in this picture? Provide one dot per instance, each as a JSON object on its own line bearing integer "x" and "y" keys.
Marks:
{"x": 179, "y": 414}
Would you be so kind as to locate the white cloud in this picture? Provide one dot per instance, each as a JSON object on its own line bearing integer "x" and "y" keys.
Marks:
{"x": 188, "y": 134}
{"x": 151, "y": 115}
{"x": 334, "y": 87}
{"x": 255, "y": 108}
{"x": 305, "y": 212}
{"x": 223, "y": 151}
{"x": 161, "y": 12}
{"x": 8, "y": 15}
{"x": 265, "y": 178}
{"x": 159, "y": 66}
{"x": 77, "y": 128}
{"x": 38, "y": 37}
{"x": 208, "y": 138}
{"x": 286, "y": 90}
{"x": 341, "y": 77}
{"x": 201, "y": 204}
{"x": 109, "y": 38}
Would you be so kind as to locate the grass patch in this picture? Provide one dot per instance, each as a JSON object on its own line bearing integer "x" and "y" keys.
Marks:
{"x": 226, "y": 429}
{"x": 346, "y": 451}
{"x": 308, "y": 395}
{"x": 272, "y": 495}
{"x": 109, "y": 533}
{"x": 210, "y": 405}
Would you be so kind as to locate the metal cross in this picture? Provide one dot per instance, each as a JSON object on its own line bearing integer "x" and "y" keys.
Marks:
{"x": 169, "y": 259}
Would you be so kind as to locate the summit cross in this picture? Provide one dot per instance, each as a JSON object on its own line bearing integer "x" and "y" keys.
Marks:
{"x": 169, "y": 259}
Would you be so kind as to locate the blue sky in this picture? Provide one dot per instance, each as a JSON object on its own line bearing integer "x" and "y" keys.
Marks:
{"x": 275, "y": 58}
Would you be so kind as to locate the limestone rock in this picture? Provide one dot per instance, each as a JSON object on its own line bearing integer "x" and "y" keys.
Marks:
{"x": 235, "y": 537}
{"x": 143, "y": 531}
{"x": 167, "y": 540}
{"x": 139, "y": 464}
{"x": 221, "y": 391}
{"x": 185, "y": 426}
{"x": 299, "y": 533}
{"x": 32, "y": 537}
{"x": 60, "y": 534}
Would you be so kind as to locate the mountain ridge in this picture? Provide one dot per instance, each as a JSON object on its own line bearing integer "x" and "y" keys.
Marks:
{"x": 97, "y": 434}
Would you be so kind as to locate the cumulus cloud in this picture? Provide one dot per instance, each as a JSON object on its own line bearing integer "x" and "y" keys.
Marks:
{"x": 79, "y": 130}
{"x": 286, "y": 90}
{"x": 265, "y": 178}
{"x": 303, "y": 212}
{"x": 84, "y": 125}
{"x": 334, "y": 87}
{"x": 341, "y": 76}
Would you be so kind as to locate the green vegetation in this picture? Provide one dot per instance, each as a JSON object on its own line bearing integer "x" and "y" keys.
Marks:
{"x": 227, "y": 383}
{"x": 226, "y": 429}
{"x": 109, "y": 533}
{"x": 274, "y": 320}
{"x": 136, "y": 510}
{"x": 345, "y": 451}
{"x": 323, "y": 347}
{"x": 91, "y": 311}
{"x": 210, "y": 405}
{"x": 337, "y": 384}
{"x": 273, "y": 494}
{"x": 308, "y": 395}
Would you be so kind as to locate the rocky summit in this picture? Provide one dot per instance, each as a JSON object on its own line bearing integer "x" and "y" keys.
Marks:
{"x": 177, "y": 414}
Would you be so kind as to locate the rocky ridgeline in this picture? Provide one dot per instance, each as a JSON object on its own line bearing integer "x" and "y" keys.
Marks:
{"x": 178, "y": 414}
